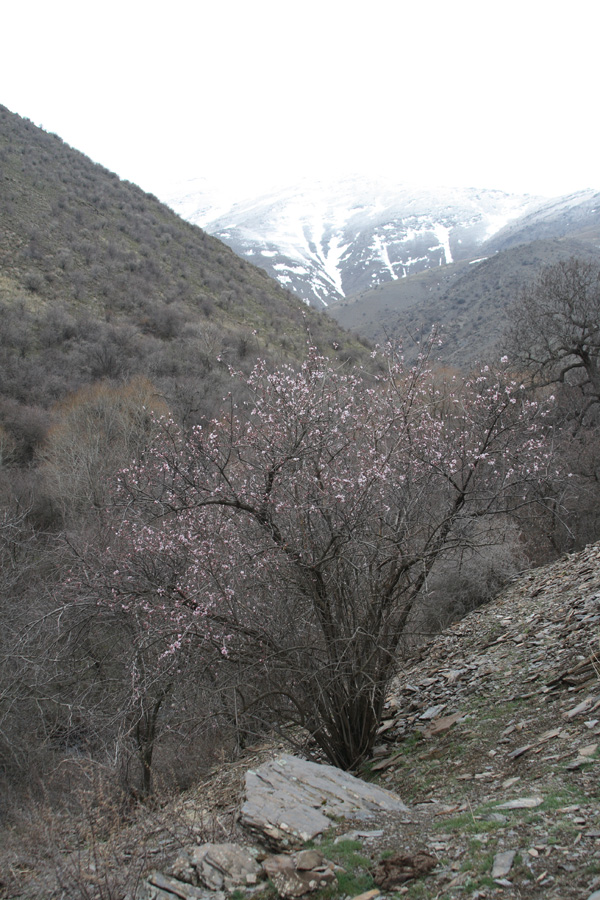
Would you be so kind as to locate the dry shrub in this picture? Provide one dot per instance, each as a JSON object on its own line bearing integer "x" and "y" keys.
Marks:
{"x": 96, "y": 843}
{"x": 464, "y": 582}
{"x": 97, "y": 430}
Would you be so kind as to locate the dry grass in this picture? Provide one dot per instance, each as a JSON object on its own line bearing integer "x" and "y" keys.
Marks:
{"x": 97, "y": 843}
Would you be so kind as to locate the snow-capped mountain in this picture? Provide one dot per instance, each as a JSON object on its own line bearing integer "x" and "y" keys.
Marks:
{"x": 327, "y": 240}
{"x": 559, "y": 217}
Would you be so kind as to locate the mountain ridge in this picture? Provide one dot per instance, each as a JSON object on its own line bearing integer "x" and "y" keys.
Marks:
{"x": 467, "y": 301}
{"x": 330, "y": 240}
{"x": 385, "y": 259}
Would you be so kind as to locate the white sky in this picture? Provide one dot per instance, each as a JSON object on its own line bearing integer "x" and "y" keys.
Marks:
{"x": 250, "y": 93}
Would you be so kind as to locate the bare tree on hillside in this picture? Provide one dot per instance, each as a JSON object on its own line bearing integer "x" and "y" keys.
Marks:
{"x": 555, "y": 328}
{"x": 555, "y": 336}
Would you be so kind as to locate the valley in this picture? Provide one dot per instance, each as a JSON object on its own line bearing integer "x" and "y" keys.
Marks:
{"x": 390, "y": 261}
{"x": 230, "y": 526}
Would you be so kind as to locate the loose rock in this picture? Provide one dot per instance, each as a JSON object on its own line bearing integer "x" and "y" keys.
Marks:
{"x": 389, "y": 873}
{"x": 162, "y": 887}
{"x": 294, "y": 875}
{"x": 522, "y": 803}
{"x": 503, "y": 863}
{"x": 224, "y": 866}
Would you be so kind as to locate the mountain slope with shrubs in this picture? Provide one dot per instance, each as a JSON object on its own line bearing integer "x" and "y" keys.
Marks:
{"x": 99, "y": 280}
{"x": 469, "y": 300}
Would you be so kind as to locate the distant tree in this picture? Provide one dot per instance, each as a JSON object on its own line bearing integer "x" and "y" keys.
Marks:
{"x": 555, "y": 337}
{"x": 555, "y": 328}
{"x": 96, "y": 430}
{"x": 24, "y": 428}
{"x": 290, "y": 540}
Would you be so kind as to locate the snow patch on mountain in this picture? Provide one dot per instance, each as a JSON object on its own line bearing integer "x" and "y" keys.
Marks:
{"x": 443, "y": 235}
{"x": 380, "y": 247}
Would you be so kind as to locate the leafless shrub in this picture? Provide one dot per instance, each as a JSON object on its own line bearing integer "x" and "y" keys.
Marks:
{"x": 79, "y": 836}
{"x": 465, "y": 581}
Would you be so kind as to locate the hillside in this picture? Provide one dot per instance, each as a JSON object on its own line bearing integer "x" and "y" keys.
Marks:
{"x": 467, "y": 299}
{"x": 100, "y": 280}
{"x": 490, "y": 738}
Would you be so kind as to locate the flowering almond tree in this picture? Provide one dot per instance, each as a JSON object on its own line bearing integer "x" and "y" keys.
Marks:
{"x": 293, "y": 537}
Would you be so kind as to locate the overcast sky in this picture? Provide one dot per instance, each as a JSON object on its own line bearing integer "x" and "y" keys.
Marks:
{"x": 250, "y": 94}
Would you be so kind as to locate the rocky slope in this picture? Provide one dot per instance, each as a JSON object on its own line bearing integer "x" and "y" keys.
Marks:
{"x": 496, "y": 730}
{"x": 490, "y": 738}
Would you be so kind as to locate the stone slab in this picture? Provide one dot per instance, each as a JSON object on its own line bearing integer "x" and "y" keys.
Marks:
{"x": 291, "y": 800}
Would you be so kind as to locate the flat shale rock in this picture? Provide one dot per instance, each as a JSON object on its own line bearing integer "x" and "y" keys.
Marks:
{"x": 503, "y": 863}
{"x": 162, "y": 887}
{"x": 290, "y": 800}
